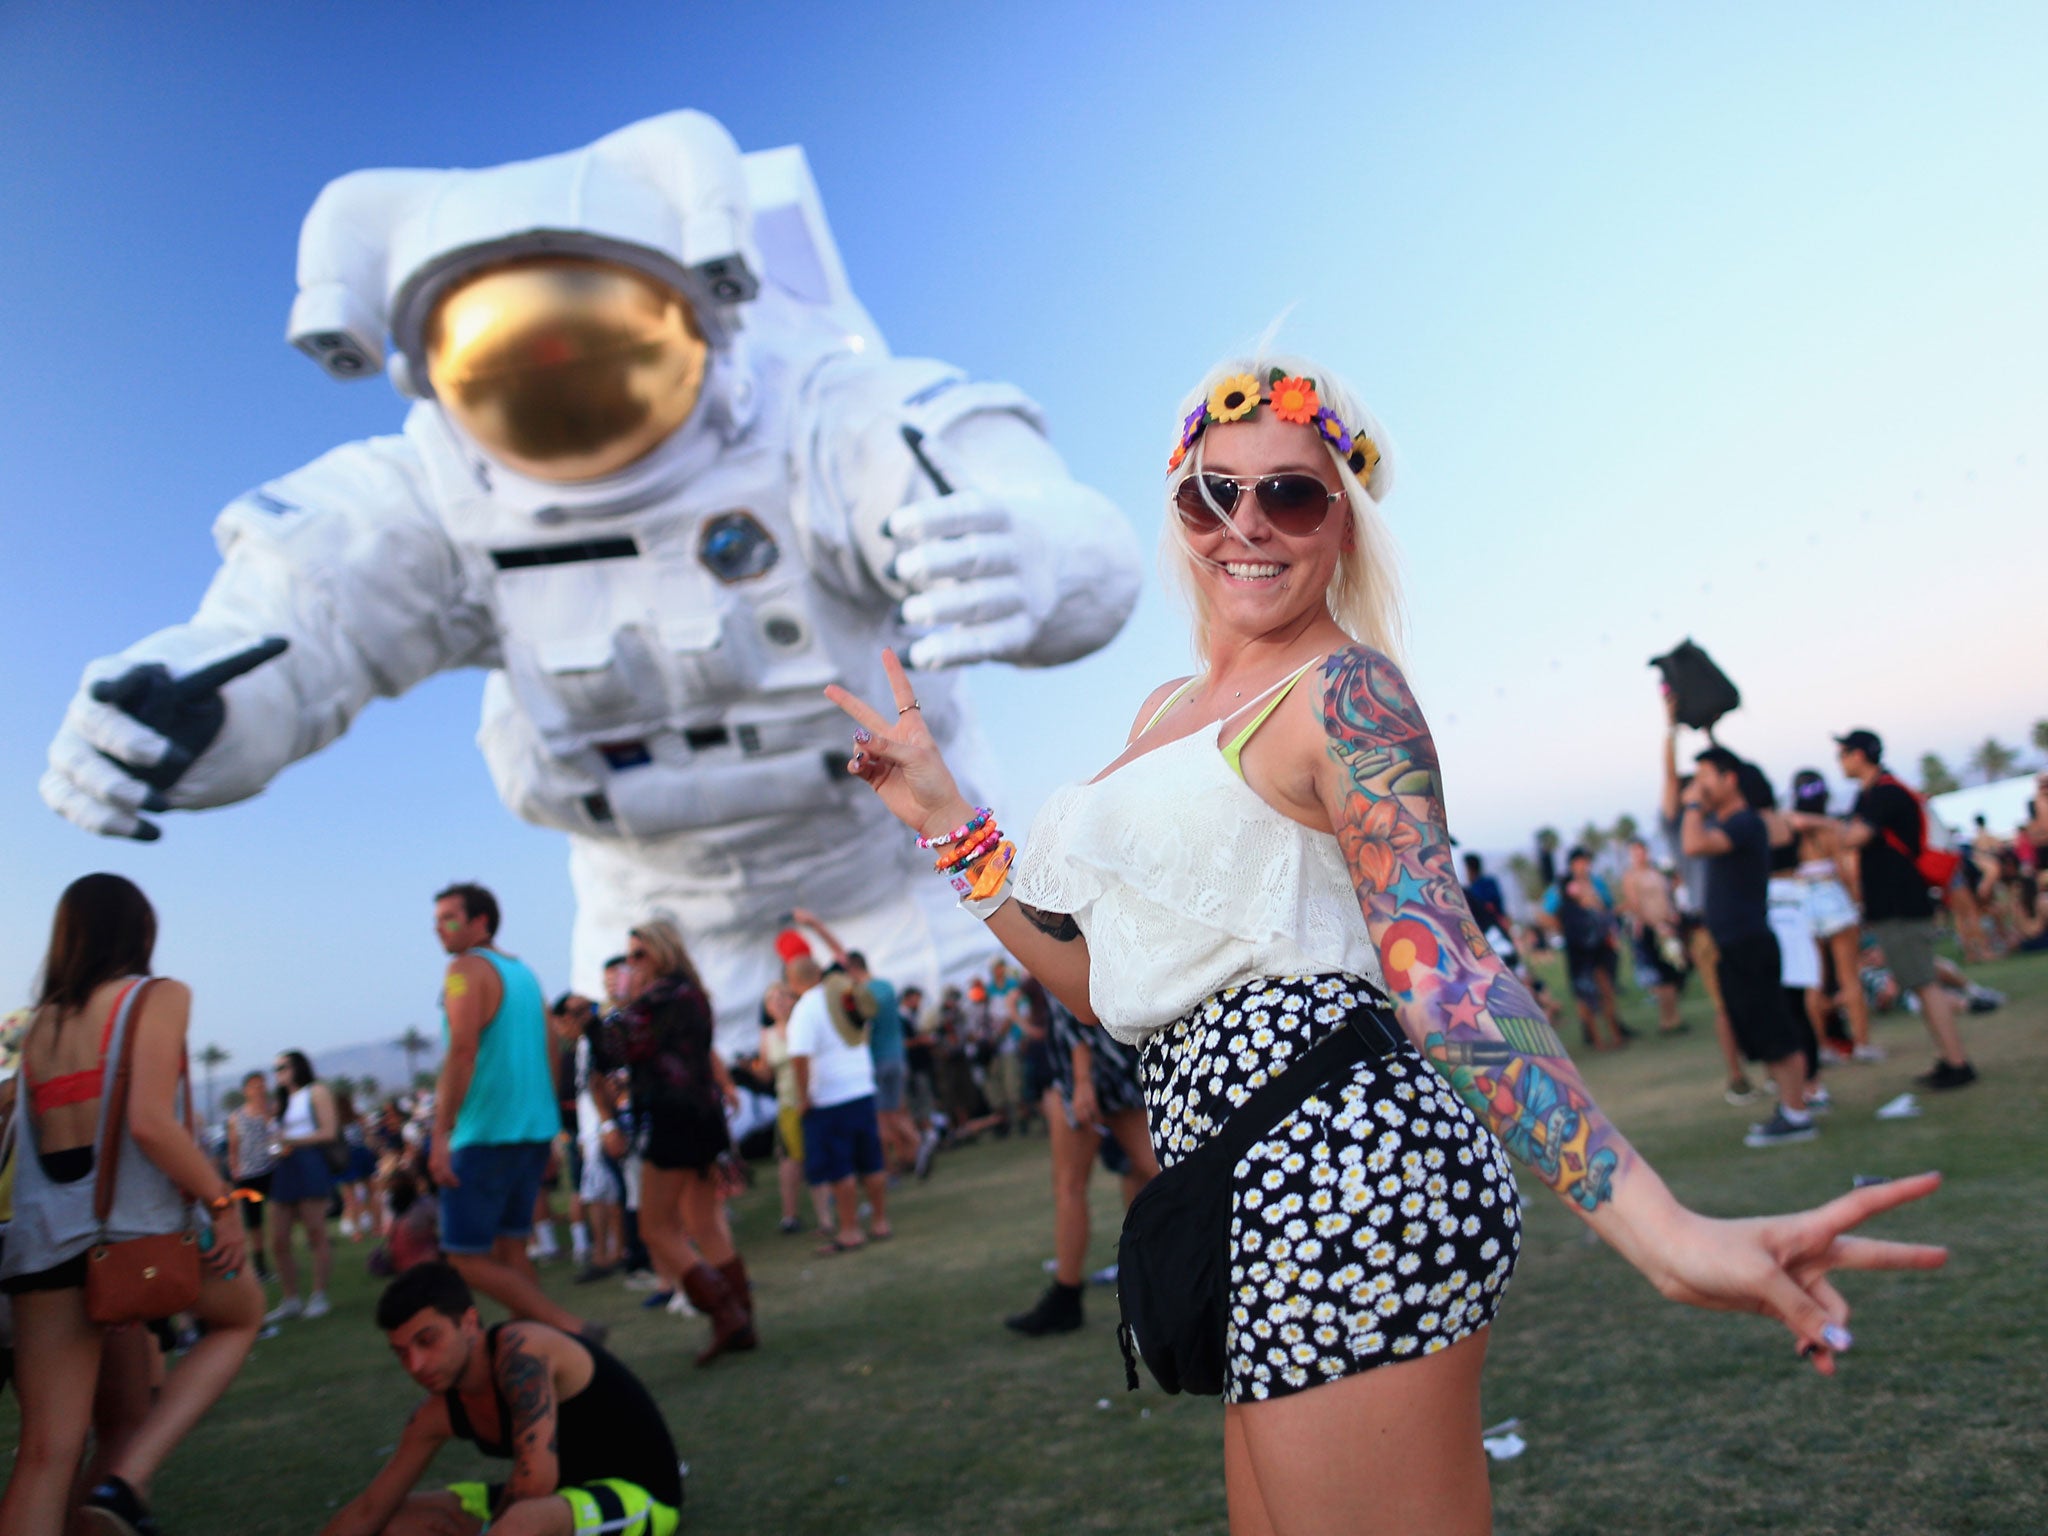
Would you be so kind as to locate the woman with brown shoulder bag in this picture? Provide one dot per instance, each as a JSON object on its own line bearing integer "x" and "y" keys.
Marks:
{"x": 117, "y": 1212}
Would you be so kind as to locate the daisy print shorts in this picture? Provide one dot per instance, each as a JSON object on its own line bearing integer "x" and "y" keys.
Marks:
{"x": 1377, "y": 1223}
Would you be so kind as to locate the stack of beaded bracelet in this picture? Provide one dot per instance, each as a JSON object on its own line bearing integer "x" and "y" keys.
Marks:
{"x": 982, "y": 817}
{"x": 974, "y": 856}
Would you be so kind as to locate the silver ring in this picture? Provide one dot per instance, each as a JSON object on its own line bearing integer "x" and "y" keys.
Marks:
{"x": 913, "y": 704}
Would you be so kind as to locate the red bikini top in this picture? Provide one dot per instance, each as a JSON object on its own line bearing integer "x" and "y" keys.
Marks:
{"x": 75, "y": 1087}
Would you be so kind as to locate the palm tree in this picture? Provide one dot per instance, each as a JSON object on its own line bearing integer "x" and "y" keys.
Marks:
{"x": 231, "y": 1101}
{"x": 422, "y": 1082}
{"x": 2040, "y": 737}
{"x": 1526, "y": 876}
{"x": 1935, "y": 779}
{"x": 1593, "y": 839}
{"x": 367, "y": 1089}
{"x": 342, "y": 1085}
{"x": 414, "y": 1044}
{"x": 1546, "y": 854}
{"x": 211, "y": 1059}
{"x": 1993, "y": 759}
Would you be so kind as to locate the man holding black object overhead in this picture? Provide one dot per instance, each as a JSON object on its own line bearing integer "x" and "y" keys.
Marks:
{"x": 1721, "y": 827}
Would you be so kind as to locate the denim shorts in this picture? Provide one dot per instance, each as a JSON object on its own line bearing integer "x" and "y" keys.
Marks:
{"x": 889, "y": 1079}
{"x": 496, "y": 1186}
{"x": 842, "y": 1140}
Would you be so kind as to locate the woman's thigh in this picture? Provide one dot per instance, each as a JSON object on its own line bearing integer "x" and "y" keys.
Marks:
{"x": 661, "y": 1196}
{"x": 236, "y": 1303}
{"x": 1134, "y": 1134}
{"x": 312, "y": 1215}
{"x": 56, "y": 1367}
{"x": 1073, "y": 1149}
{"x": 1392, "y": 1450}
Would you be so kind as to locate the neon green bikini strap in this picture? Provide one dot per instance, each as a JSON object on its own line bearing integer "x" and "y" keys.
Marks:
{"x": 1172, "y": 699}
{"x": 1235, "y": 749}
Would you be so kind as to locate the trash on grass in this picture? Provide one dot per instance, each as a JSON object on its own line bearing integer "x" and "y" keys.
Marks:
{"x": 1504, "y": 1447}
{"x": 1904, "y": 1107}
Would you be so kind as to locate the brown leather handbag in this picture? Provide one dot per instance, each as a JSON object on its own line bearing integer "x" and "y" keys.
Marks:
{"x": 141, "y": 1278}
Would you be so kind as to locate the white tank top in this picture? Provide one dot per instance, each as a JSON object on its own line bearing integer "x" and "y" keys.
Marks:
{"x": 299, "y": 1122}
{"x": 1185, "y": 882}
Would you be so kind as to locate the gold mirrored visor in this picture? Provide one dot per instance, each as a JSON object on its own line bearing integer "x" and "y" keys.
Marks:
{"x": 565, "y": 367}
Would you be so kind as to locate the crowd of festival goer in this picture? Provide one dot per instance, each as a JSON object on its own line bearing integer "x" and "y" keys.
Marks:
{"x": 1801, "y": 919}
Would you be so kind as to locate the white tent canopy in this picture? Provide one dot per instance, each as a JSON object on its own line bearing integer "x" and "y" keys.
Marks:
{"x": 2003, "y": 806}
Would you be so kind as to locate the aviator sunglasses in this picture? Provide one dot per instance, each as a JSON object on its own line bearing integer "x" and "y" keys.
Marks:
{"x": 1294, "y": 503}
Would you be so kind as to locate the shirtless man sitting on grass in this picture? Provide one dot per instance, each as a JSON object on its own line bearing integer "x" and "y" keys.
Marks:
{"x": 589, "y": 1449}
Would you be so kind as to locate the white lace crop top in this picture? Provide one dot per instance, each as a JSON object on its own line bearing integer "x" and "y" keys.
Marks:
{"x": 1185, "y": 882}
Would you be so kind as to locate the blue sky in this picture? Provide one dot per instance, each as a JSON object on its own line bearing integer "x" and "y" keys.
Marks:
{"x": 1722, "y": 322}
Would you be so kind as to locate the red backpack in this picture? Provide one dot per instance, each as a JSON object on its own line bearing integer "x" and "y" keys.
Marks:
{"x": 1937, "y": 866}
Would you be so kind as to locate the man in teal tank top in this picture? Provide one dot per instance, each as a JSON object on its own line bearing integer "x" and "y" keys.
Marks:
{"x": 494, "y": 1109}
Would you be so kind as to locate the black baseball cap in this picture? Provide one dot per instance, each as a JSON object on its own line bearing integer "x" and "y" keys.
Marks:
{"x": 1863, "y": 741}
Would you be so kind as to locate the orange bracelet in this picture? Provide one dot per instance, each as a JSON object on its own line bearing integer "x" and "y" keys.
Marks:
{"x": 964, "y": 854}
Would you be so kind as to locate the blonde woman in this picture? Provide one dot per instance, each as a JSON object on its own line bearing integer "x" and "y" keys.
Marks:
{"x": 1266, "y": 862}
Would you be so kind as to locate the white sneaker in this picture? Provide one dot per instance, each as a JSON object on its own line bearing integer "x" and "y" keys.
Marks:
{"x": 679, "y": 1306}
{"x": 1867, "y": 1053}
{"x": 285, "y": 1310}
{"x": 317, "y": 1306}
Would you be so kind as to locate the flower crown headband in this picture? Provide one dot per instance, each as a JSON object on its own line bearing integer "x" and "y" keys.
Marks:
{"x": 1292, "y": 399}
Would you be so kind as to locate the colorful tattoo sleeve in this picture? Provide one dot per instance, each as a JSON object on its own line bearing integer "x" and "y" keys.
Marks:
{"x": 1476, "y": 1021}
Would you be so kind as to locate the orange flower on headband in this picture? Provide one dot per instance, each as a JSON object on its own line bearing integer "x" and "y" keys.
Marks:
{"x": 1294, "y": 399}
{"x": 1234, "y": 398}
{"x": 1173, "y": 459}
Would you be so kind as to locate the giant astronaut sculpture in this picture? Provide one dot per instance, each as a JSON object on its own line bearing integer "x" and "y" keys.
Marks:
{"x": 663, "y": 478}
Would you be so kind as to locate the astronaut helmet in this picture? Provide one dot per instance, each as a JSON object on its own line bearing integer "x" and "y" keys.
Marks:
{"x": 568, "y": 314}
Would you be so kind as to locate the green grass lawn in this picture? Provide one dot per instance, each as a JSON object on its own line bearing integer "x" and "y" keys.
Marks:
{"x": 889, "y": 1398}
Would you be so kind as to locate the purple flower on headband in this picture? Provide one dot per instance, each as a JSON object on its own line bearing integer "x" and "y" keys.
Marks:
{"x": 1333, "y": 430}
{"x": 1192, "y": 424}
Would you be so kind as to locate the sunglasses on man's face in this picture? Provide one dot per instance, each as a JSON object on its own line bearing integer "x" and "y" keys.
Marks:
{"x": 1294, "y": 503}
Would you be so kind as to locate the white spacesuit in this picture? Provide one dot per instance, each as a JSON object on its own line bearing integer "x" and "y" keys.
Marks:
{"x": 664, "y": 480}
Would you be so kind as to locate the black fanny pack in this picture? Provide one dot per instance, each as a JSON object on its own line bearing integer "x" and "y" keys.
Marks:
{"x": 1173, "y": 1261}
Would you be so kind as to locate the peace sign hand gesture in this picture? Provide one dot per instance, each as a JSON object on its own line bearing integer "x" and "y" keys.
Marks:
{"x": 898, "y": 759}
{"x": 1778, "y": 1265}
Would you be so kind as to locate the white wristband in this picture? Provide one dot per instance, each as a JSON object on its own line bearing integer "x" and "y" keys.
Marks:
{"x": 985, "y": 908}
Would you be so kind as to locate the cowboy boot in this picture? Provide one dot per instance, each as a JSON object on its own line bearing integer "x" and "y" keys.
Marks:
{"x": 735, "y": 1271}
{"x": 710, "y": 1294}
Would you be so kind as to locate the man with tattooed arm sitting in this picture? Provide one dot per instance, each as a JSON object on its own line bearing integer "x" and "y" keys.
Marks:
{"x": 589, "y": 1449}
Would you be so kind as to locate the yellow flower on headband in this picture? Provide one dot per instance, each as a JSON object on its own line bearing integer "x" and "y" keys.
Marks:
{"x": 1234, "y": 398}
{"x": 1364, "y": 457}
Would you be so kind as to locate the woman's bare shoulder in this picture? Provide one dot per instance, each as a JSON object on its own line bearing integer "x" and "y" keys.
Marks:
{"x": 1154, "y": 702}
{"x": 168, "y": 1000}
